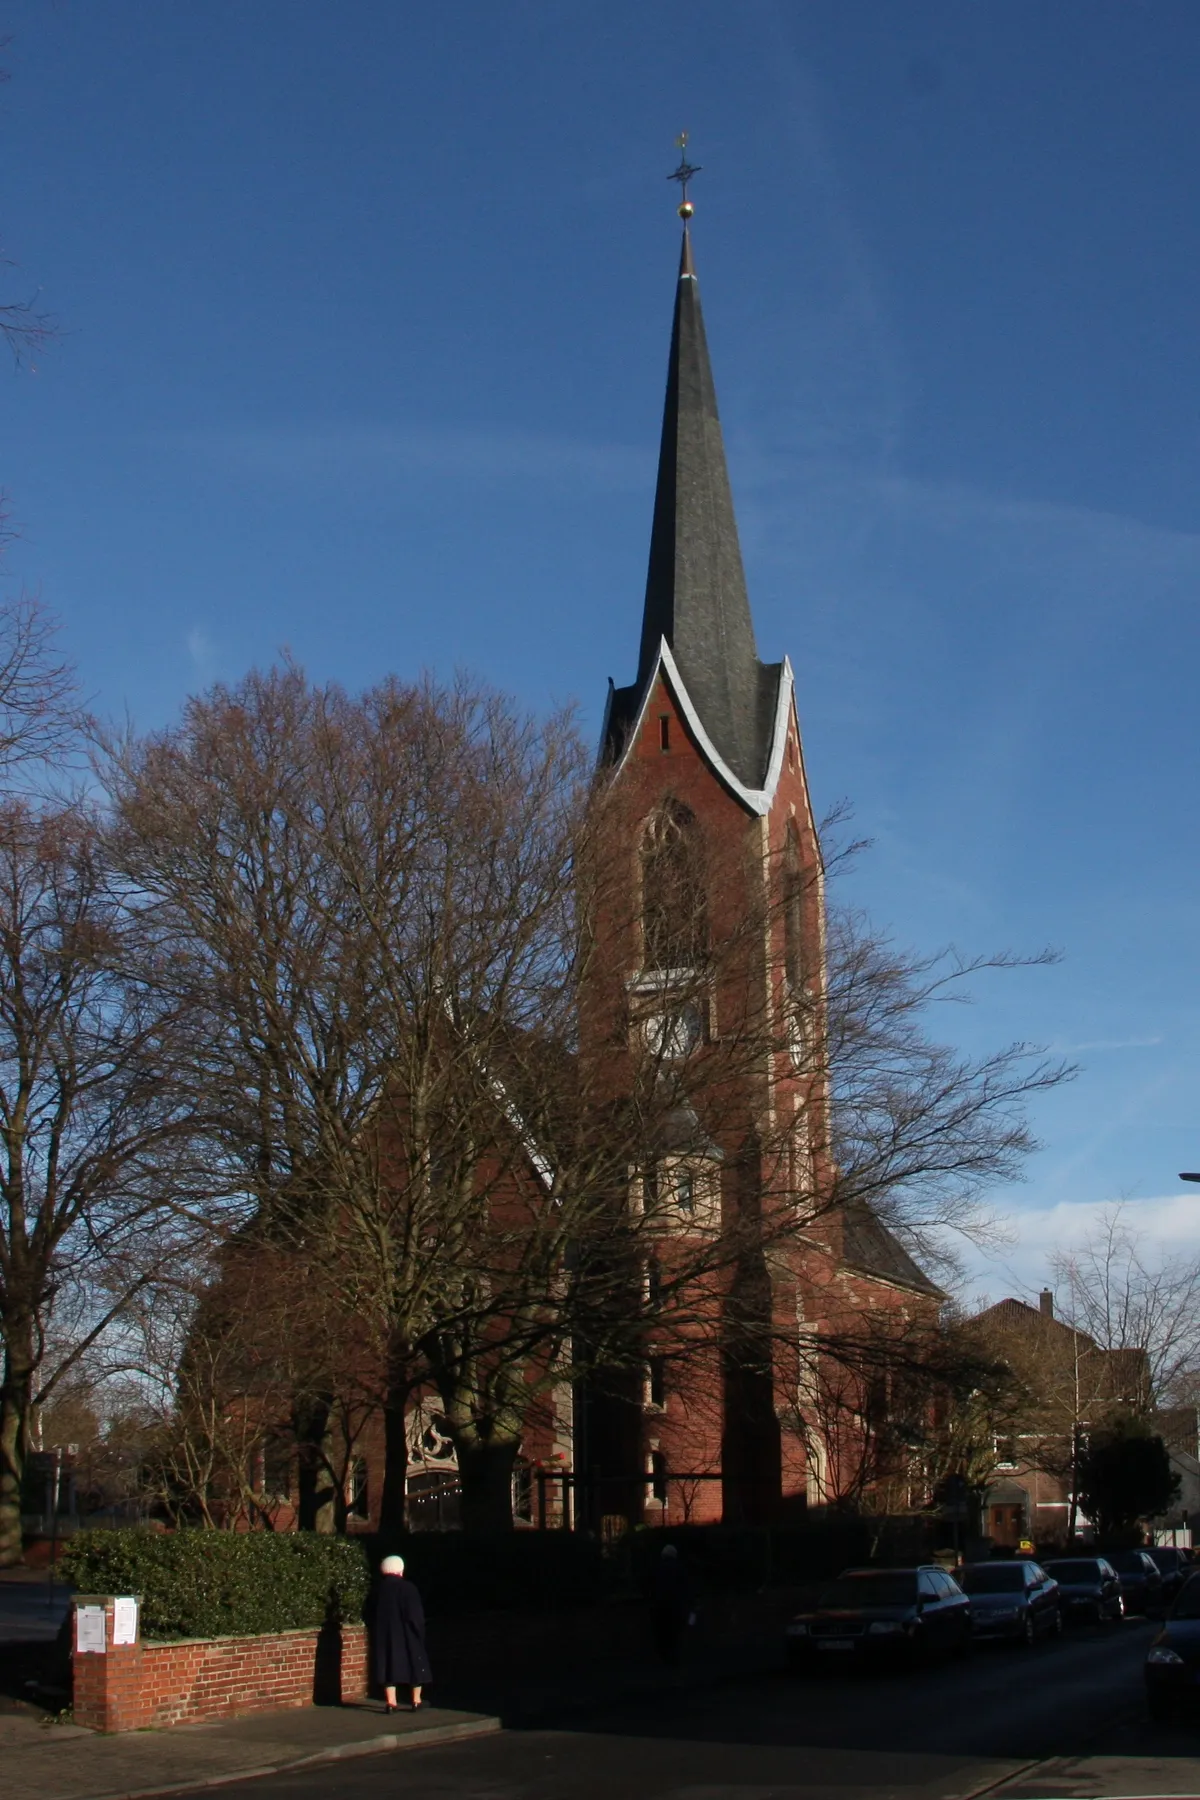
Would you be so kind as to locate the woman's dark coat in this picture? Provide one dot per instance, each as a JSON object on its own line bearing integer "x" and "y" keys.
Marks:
{"x": 398, "y": 1655}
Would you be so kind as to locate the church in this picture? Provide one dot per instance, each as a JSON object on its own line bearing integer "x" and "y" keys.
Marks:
{"x": 731, "y": 1357}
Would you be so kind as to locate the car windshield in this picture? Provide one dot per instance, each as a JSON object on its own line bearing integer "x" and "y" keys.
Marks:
{"x": 1188, "y": 1604}
{"x": 1073, "y": 1572}
{"x": 887, "y": 1588}
{"x": 983, "y": 1578}
{"x": 1165, "y": 1556}
{"x": 1128, "y": 1562}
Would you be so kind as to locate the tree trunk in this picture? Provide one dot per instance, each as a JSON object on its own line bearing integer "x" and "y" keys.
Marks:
{"x": 393, "y": 1502}
{"x": 485, "y": 1469}
{"x": 316, "y": 1510}
{"x": 16, "y": 1397}
{"x": 1073, "y": 1514}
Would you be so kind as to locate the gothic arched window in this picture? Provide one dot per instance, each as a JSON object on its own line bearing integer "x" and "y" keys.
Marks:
{"x": 673, "y": 900}
{"x": 799, "y": 999}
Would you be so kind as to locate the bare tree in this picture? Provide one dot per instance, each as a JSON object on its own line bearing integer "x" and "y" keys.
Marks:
{"x": 1126, "y": 1301}
{"x": 25, "y": 326}
{"x": 38, "y": 689}
{"x": 358, "y": 901}
{"x": 94, "y": 1188}
{"x": 921, "y": 1132}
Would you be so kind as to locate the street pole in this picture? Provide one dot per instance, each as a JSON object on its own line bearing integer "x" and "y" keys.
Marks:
{"x": 56, "y": 1481}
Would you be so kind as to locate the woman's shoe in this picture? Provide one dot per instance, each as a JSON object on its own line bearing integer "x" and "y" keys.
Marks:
{"x": 391, "y": 1709}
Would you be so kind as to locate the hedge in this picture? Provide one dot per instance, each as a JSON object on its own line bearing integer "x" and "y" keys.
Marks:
{"x": 196, "y": 1583}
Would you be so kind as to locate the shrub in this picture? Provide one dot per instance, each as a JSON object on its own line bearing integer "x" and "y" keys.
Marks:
{"x": 197, "y": 1583}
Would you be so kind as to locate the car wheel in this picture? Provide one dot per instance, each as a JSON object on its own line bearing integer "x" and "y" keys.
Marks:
{"x": 1161, "y": 1709}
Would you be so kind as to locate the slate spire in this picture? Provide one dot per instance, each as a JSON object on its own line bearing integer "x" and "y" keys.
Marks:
{"x": 695, "y": 586}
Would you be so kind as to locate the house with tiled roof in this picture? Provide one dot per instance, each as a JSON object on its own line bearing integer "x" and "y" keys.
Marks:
{"x": 1071, "y": 1385}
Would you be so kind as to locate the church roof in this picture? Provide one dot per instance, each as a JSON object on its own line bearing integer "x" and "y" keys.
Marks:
{"x": 696, "y": 598}
{"x": 867, "y": 1244}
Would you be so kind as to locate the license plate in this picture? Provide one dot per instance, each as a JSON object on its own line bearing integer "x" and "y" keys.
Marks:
{"x": 836, "y": 1644}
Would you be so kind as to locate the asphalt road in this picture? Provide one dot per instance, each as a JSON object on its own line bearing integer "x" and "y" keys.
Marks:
{"x": 1065, "y": 1719}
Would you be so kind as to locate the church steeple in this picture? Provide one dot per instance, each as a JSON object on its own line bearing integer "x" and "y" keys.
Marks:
{"x": 696, "y": 621}
{"x": 695, "y": 586}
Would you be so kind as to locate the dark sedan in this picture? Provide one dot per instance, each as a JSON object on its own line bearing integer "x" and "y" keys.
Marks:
{"x": 1173, "y": 1565}
{"x": 1016, "y": 1600}
{"x": 1141, "y": 1583}
{"x": 1089, "y": 1587}
{"x": 1173, "y": 1660}
{"x": 872, "y": 1613}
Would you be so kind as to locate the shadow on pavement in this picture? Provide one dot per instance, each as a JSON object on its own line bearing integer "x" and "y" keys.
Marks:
{"x": 1003, "y": 1703}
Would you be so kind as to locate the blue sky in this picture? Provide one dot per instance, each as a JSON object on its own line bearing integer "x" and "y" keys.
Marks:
{"x": 366, "y": 311}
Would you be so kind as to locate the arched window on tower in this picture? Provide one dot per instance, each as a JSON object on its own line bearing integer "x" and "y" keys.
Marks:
{"x": 673, "y": 897}
{"x": 793, "y": 911}
{"x": 799, "y": 997}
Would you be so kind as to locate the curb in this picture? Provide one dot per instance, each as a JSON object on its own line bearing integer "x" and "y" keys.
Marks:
{"x": 421, "y": 1737}
{"x": 997, "y": 1783}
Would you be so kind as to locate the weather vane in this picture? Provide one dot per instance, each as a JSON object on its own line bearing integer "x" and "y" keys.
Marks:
{"x": 683, "y": 174}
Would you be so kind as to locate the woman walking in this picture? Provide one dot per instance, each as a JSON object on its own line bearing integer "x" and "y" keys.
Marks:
{"x": 399, "y": 1637}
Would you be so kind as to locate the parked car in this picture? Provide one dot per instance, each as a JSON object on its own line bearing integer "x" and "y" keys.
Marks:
{"x": 1089, "y": 1587}
{"x": 1173, "y": 1659}
{"x": 869, "y": 1613}
{"x": 1173, "y": 1565}
{"x": 1016, "y": 1600}
{"x": 1141, "y": 1582}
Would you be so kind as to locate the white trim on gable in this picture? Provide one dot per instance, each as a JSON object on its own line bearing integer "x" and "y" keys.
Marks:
{"x": 541, "y": 1165}
{"x": 758, "y": 800}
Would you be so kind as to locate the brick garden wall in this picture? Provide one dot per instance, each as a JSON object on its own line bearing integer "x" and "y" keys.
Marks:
{"x": 135, "y": 1686}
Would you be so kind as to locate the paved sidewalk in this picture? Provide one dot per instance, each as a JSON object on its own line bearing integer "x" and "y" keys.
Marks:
{"x": 65, "y": 1762}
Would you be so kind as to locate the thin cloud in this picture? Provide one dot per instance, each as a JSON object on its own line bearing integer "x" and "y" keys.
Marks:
{"x": 1126, "y": 545}
{"x": 381, "y": 453}
{"x": 201, "y": 650}
{"x": 1166, "y": 1225}
{"x": 1133, "y": 1043}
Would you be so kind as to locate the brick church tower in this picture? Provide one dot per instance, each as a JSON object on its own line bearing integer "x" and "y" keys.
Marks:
{"x": 702, "y": 769}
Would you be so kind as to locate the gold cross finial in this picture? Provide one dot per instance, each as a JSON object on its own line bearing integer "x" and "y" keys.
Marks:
{"x": 683, "y": 174}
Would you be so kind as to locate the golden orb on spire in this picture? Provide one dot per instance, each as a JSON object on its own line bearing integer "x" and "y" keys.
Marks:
{"x": 683, "y": 174}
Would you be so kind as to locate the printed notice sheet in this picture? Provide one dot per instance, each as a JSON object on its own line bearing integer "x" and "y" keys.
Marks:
{"x": 89, "y": 1629}
{"x": 125, "y": 1619}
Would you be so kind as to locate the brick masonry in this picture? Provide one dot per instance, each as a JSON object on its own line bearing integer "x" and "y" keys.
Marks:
{"x": 132, "y": 1687}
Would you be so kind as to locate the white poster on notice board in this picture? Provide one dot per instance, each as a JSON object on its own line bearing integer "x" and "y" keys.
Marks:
{"x": 125, "y": 1620}
{"x": 89, "y": 1629}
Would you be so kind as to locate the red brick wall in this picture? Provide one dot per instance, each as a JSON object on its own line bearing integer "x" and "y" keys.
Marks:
{"x": 136, "y": 1686}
